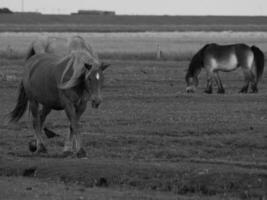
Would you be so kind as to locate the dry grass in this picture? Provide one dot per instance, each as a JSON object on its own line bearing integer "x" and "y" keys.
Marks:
{"x": 137, "y": 46}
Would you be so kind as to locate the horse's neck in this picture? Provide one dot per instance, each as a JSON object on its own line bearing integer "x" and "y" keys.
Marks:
{"x": 61, "y": 66}
{"x": 196, "y": 64}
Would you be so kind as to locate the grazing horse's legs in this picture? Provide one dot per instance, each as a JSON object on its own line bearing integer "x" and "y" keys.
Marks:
{"x": 248, "y": 77}
{"x": 40, "y": 148}
{"x": 254, "y": 83}
{"x": 219, "y": 83}
{"x": 254, "y": 88}
{"x": 208, "y": 89}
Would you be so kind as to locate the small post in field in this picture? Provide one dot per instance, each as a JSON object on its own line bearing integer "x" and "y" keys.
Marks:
{"x": 158, "y": 53}
{"x": 22, "y": 5}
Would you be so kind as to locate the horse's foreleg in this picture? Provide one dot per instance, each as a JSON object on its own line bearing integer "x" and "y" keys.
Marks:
{"x": 70, "y": 112}
{"x": 219, "y": 84}
{"x": 73, "y": 141}
{"x": 244, "y": 89}
{"x": 34, "y": 108}
{"x": 78, "y": 144}
{"x": 254, "y": 88}
{"x": 44, "y": 112}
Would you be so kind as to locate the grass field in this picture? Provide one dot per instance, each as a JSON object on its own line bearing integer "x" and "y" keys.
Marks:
{"x": 149, "y": 139}
{"x": 85, "y": 23}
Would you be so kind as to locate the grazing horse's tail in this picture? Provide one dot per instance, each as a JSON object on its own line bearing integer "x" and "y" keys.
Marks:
{"x": 259, "y": 60}
{"x": 21, "y": 106}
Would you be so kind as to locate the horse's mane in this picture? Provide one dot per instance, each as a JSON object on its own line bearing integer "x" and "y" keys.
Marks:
{"x": 31, "y": 52}
{"x": 37, "y": 47}
{"x": 77, "y": 53}
{"x": 196, "y": 62}
{"x": 59, "y": 46}
{"x": 76, "y": 61}
{"x": 78, "y": 43}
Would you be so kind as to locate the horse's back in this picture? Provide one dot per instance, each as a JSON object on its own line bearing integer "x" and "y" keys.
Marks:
{"x": 222, "y": 51}
{"x": 57, "y": 46}
{"x": 228, "y": 57}
{"x": 41, "y": 79}
{"x": 41, "y": 62}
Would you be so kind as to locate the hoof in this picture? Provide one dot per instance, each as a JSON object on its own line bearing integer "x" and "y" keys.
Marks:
{"x": 50, "y": 134}
{"x": 81, "y": 153}
{"x": 42, "y": 149}
{"x": 33, "y": 146}
{"x": 254, "y": 90}
{"x": 244, "y": 90}
{"x": 221, "y": 91}
{"x": 67, "y": 154}
{"x": 190, "y": 89}
{"x": 37, "y": 149}
{"x": 208, "y": 91}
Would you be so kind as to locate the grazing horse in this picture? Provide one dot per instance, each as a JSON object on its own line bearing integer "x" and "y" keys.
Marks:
{"x": 60, "y": 83}
{"x": 226, "y": 58}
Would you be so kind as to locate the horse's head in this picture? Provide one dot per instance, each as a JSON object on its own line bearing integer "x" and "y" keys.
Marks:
{"x": 191, "y": 77}
{"x": 93, "y": 82}
{"x": 191, "y": 83}
{"x": 194, "y": 69}
{"x": 86, "y": 73}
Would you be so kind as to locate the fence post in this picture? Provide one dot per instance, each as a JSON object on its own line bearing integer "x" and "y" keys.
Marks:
{"x": 158, "y": 52}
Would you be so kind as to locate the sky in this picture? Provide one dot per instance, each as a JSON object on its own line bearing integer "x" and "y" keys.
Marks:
{"x": 144, "y": 7}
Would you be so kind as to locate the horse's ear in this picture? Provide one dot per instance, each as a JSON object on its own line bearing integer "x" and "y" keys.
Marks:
{"x": 104, "y": 66}
{"x": 88, "y": 66}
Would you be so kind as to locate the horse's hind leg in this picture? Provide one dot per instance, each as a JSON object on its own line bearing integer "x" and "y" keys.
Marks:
{"x": 43, "y": 114}
{"x": 34, "y": 108}
{"x": 244, "y": 89}
{"x": 247, "y": 76}
{"x": 254, "y": 83}
{"x": 219, "y": 83}
{"x": 254, "y": 88}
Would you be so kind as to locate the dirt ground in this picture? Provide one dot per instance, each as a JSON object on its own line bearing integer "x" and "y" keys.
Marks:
{"x": 148, "y": 139}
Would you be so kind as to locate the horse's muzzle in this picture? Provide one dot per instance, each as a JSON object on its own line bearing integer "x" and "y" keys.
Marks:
{"x": 190, "y": 89}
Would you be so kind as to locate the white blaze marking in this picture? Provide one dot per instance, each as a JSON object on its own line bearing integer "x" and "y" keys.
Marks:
{"x": 97, "y": 76}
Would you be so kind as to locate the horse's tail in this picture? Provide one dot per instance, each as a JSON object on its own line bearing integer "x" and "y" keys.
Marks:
{"x": 21, "y": 106}
{"x": 259, "y": 61}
